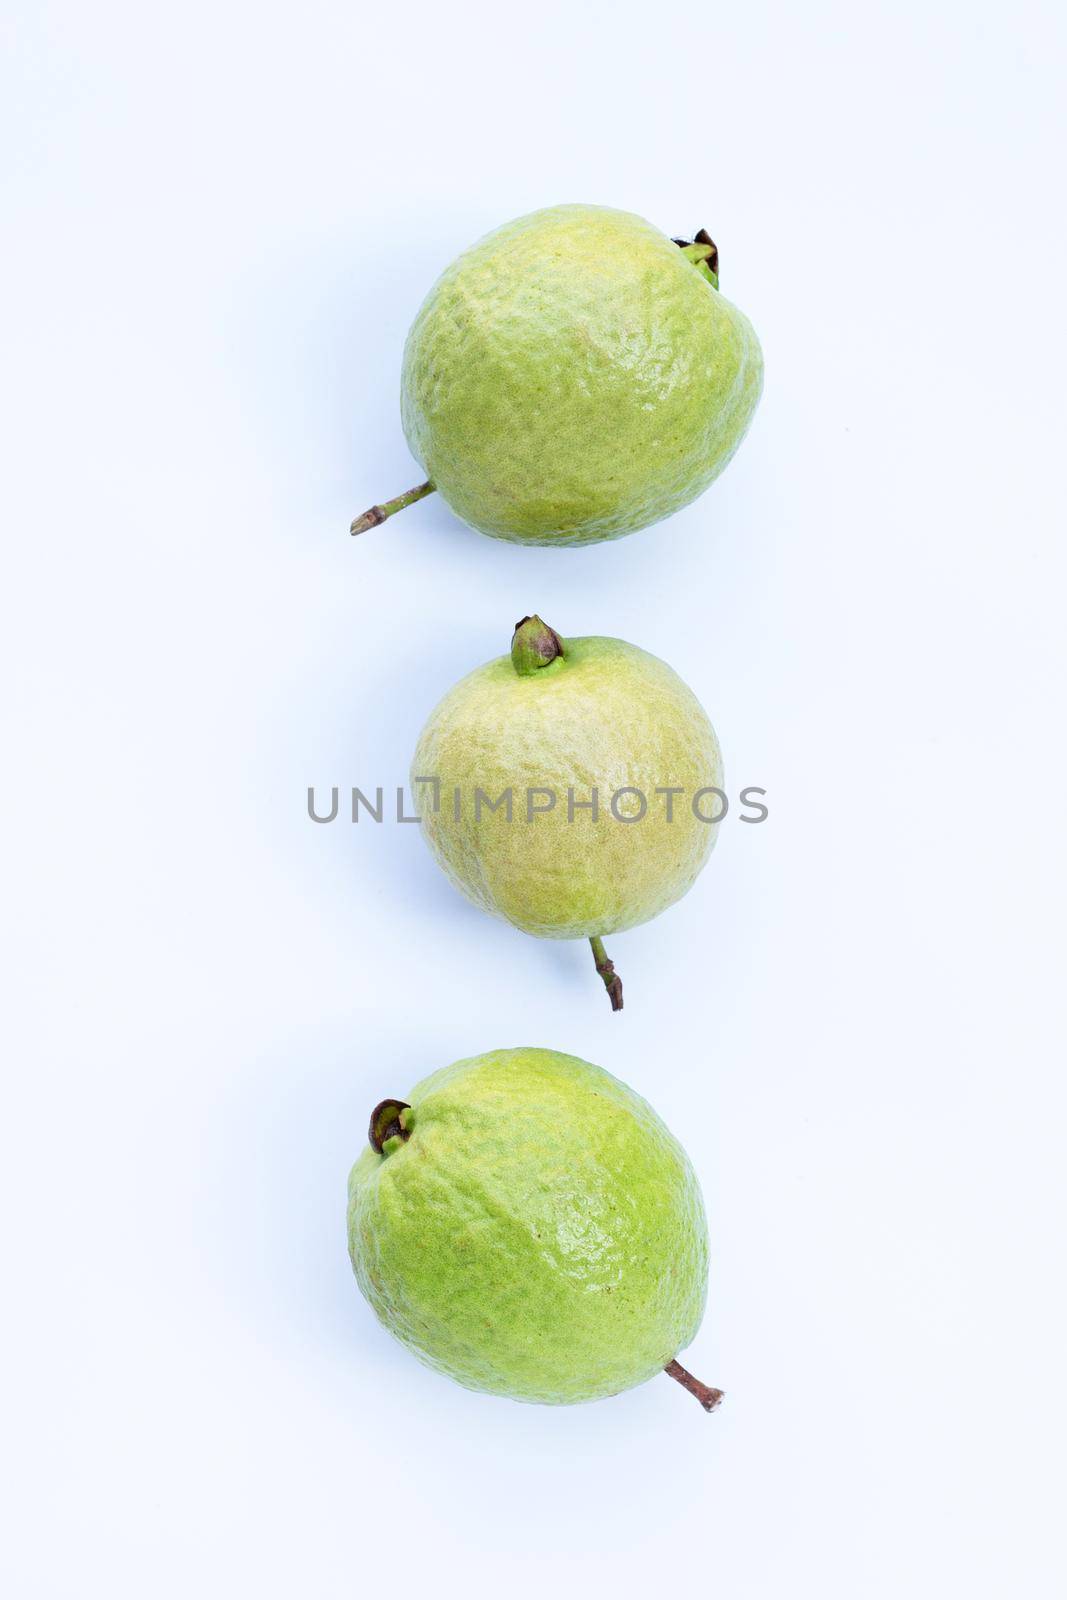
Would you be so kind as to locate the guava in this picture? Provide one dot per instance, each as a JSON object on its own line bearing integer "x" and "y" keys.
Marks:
{"x": 527, "y": 1225}
{"x": 575, "y": 376}
{"x": 571, "y": 787}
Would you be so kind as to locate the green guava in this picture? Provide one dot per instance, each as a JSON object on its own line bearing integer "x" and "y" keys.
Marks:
{"x": 575, "y": 376}
{"x": 567, "y": 787}
{"x": 526, "y": 1224}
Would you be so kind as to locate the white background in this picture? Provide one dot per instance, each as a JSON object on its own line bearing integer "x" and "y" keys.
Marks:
{"x": 219, "y": 222}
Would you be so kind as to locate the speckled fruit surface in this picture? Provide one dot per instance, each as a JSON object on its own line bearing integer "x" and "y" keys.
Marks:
{"x": 537, "y": 1232}
{"x": 604, "y": 715}
{"x": 574, "y": 377}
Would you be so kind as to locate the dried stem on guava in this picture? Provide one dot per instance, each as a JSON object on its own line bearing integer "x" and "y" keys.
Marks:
{"x": 709, "y": 1398}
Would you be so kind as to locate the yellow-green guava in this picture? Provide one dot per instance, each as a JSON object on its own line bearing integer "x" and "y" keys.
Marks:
{"x": 526, "y": 1224}
{"x": 567, "y": 787}
{"x": 575, "y": 376}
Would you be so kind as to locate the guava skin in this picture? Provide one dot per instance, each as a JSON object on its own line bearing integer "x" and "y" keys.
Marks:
{"x": 573, "y": 377}
{"x": 540, "y": 1234}
{"x": 602, "y": 715}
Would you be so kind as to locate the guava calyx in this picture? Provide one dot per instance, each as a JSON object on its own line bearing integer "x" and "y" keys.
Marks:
{"x": 534, "y": 645}
{"x": 709, "y": 1398}
{"x": 703, "y": 252}
{"x": 389, "y": 1126}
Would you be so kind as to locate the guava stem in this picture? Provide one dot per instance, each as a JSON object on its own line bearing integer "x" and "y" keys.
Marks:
{"x": 376, "y": 514}
{"x": 606, "y": 968}
{"x": 709, "y": 1398}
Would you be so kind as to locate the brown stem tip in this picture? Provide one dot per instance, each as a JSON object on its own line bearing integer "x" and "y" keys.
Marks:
{"x": 709, "y": 1398}
{"x": 606, "y": 968}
